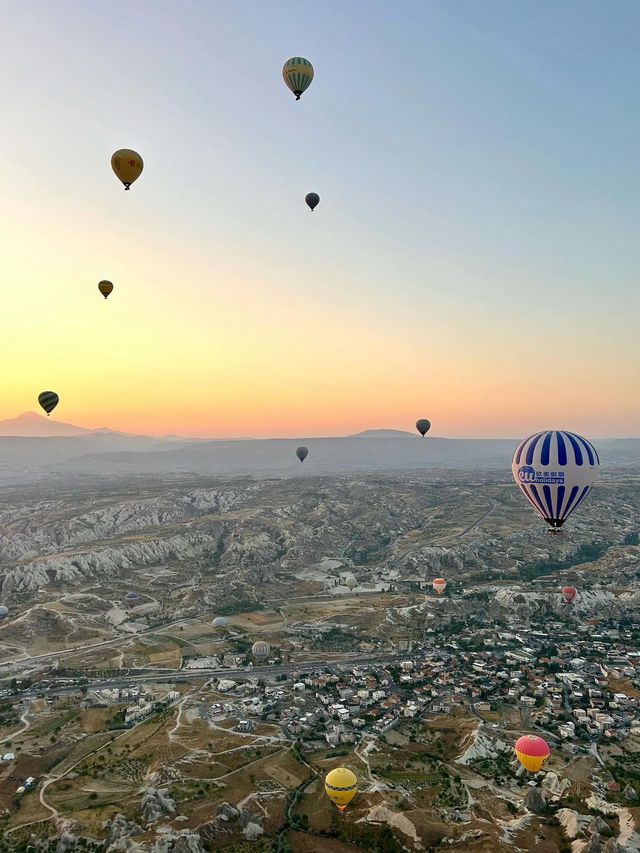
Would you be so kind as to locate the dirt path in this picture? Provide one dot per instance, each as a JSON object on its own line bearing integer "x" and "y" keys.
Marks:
{"x": 25, "y": 726}
{"x": 375, "y": 782}
{"x": 246, "y": 766}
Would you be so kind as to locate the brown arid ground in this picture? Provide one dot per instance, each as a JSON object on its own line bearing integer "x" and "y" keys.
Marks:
{"x": 300, "y": 842}
{"x": 623, "y": 685}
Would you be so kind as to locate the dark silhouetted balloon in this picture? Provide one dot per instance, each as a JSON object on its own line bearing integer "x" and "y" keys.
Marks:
{"x": 423, "y": 426}
{"x": 48, "y": 400}
{"x": 105, "y": 287}
{"x": 302, "y": 453}
{"x": 313, "y": 200}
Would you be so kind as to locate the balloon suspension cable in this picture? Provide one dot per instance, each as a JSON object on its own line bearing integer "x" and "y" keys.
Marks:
{"x": 127, "y": 187}
{"x": 297, "y": 94}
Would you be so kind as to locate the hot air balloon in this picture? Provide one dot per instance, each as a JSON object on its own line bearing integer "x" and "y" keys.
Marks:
{"x": 4, "y": 612}
{"x": 302, "y": 453}
{"x": 127, "y": 165}
{"x": 341, "y": 785}
{"x": 555, "y": 471}
{"x": 48, "y": 400}
{"x": 313, "y": 200}
{"x": 105, "y": 287}
{"x": 220, "y": 623}
{"x": 423, "y": 426}
{"x": 569, "y": 593}
{"x": 532, "y": 751}
{"x": 439, "y": 584}
{"x": 298, "y": 74}
{"x": 131, "y": 596}
{"x": 260, "y": 651}
{"x": 351, "y": 582}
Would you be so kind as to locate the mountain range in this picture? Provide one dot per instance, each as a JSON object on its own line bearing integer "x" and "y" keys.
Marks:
{"x": 32, "y": 447}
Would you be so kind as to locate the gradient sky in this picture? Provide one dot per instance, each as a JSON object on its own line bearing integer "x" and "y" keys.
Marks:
{"x": 474, "y": 258}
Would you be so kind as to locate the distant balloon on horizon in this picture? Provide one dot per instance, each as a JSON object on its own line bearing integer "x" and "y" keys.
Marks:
{"x": 423, "y": 426}
{"x": 302, "y": 453}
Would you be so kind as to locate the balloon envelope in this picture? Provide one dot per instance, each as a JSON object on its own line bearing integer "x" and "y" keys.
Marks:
{"x": 352, "y": 583}
{"x": 4, "y": 611}
{"x": 298, "y": 74}
{"x": 261, "y": 650}
{"x": 532, "y": 751}
{"x": 220, "y": 622}
{"x": 423, "y": 426}
{"x": 105, "y": 287}
{"x": 127, "y": 165}
{"x": 569, "y": 593}
{"x": 341, "y": 785}
{"x": 439, "y": 584}
{"x": 312, "y": 199}
{"x": 48, "y": 400}
{"x": 555, "y": 471}
{"x": 302, "y": 453}
{"x": 131, "y": 596}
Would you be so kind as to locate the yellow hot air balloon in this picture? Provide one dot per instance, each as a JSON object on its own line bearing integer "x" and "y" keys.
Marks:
{"x": 105, "y": 287}
{"x": 127, "y": 165}
{"x": 341, "y": 785}
{"x": 298, "y": 74}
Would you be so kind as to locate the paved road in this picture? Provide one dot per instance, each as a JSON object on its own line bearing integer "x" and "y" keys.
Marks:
{"x": 162, "y": 675}
{"x": 469, "y": 528}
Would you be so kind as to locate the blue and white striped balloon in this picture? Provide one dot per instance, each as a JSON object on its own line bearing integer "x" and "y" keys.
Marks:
{"x": 555, "y": 470}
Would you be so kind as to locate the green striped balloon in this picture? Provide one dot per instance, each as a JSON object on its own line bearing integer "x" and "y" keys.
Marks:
{"x": 298, "y": 74}
{"x": 48, "y": 400}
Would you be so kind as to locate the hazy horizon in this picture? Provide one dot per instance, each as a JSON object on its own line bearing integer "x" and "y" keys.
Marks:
{"x": 30, "y": 416}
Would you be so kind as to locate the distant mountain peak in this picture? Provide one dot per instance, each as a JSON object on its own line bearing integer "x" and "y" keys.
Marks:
{"x": 33, "y": 425}
{"x": 383, "y": 433}
{"x": 26, "y": 418}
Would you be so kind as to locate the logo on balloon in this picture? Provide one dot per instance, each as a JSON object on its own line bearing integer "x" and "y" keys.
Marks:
{"x": 528, "y": 474}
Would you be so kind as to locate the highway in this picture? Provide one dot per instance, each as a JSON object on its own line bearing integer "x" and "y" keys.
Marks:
{"x": 164, "y": 675}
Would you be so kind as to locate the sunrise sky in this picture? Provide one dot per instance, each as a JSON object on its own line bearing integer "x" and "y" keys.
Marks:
{"x": 474, "y": 258}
